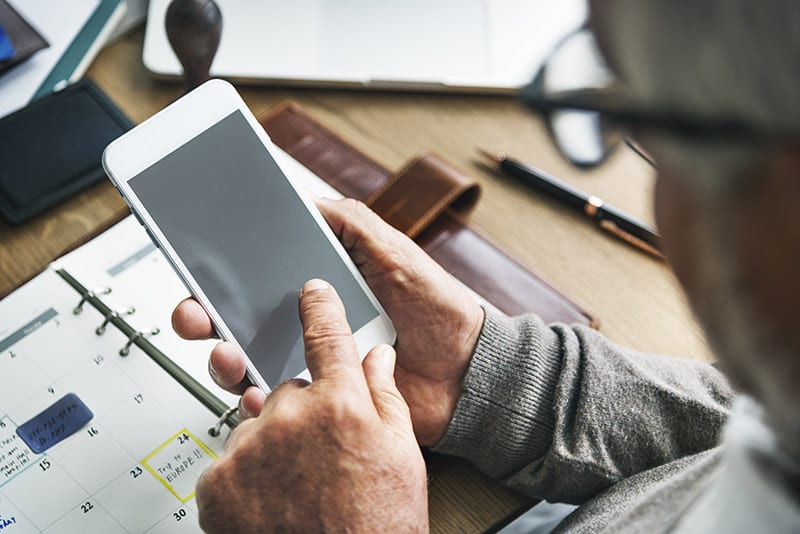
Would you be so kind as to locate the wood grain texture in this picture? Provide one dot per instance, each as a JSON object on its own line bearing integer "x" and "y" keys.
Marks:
{"x": 635, "y": 296}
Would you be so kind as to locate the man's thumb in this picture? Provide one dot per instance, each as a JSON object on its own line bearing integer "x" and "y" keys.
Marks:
{"x": 379, "y": 372}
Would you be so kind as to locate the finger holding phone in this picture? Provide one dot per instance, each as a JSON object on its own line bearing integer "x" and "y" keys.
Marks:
{"x": 350, "y": 430}
{"x": 336, "y": 454}
{"x": 437, "y": 322}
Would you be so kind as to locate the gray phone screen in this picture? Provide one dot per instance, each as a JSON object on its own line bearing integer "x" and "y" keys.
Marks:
{"x": 241, "y": 230}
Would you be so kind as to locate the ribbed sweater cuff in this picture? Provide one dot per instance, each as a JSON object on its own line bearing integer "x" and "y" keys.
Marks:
{"x": 504, "y": 418}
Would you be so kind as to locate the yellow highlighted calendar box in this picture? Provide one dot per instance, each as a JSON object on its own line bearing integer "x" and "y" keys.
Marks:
{"x": 178, "y": 463}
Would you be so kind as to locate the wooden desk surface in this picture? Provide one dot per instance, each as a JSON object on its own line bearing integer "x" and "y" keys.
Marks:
{"x": 635, "y": 296}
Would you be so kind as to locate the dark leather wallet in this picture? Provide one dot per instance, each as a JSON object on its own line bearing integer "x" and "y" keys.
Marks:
{"x": 429, "y": 200}
{"x": 52, "y": 148}
{"x": 26, "y": 40}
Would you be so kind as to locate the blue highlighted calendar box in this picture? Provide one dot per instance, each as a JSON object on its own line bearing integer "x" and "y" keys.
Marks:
{"x": 55, "y": 423}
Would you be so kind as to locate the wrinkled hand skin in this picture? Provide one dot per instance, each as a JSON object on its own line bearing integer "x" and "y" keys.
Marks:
{"x": 336, "y": 455}
{"x": 437, "y": 322}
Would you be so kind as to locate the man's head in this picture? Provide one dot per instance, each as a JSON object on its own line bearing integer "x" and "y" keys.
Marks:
{"x": 727, "y": 211}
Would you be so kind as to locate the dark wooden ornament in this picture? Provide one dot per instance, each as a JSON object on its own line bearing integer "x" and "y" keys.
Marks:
{"x": 194, "y": 28}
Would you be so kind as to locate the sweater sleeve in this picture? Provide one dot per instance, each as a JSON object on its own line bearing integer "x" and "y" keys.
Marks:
{"x": 561, "y": 413}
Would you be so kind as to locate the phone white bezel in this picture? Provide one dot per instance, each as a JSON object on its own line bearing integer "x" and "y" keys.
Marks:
{"x": 171, "y": 128}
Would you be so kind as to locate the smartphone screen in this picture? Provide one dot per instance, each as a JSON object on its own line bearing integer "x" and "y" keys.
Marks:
{"x": 245, "y": 236}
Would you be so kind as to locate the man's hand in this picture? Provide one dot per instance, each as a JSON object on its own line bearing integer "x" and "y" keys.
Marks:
{"x": 336, "y": 455}
{"x": 437, "y": 322}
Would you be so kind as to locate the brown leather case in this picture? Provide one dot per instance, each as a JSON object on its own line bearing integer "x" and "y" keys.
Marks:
{"x": 429, "y": 200}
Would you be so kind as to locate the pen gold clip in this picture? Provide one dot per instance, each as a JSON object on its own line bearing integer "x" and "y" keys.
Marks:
{"x": 612, "y": 228}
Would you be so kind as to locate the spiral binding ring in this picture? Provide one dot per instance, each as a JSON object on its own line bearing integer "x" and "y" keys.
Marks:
{"x": 125, "y": 350}
{"x": 100, "y": 290}
{"x": 215, "y": 430}
{"x": 125, "y": 310}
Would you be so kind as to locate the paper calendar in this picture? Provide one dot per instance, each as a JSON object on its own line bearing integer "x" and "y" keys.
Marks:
{"x": 95, "y": 435}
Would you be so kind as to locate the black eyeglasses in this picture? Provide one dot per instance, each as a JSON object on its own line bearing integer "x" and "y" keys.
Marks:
{"x": 588, "y": 114}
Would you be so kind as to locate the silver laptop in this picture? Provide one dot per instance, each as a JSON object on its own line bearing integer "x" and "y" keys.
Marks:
{"x": 489, "y": 46}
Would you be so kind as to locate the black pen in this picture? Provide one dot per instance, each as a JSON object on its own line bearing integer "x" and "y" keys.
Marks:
{"x": 607, "y": 217}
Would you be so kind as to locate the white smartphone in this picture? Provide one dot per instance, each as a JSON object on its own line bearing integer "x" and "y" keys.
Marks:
{"x": 202, "y": 178}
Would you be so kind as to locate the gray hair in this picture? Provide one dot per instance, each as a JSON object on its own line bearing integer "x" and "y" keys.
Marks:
{"x": 728, "y": 58}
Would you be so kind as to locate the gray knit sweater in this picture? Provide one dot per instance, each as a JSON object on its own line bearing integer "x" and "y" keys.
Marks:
{"x": 560, "y": 413}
